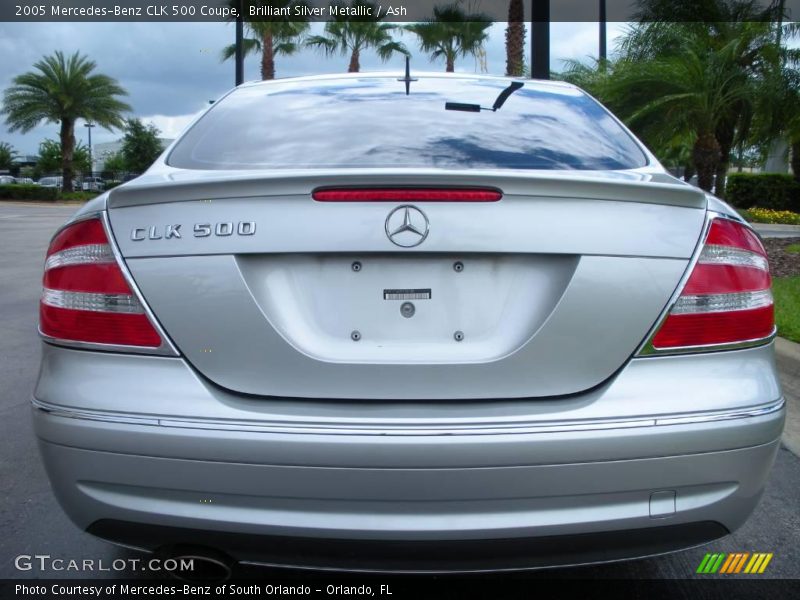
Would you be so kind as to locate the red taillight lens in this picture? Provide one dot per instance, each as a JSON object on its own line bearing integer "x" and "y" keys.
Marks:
{"x": 86, "y": 297}
{"x": 727, "y": 298}
{"x": 407, "y": 195}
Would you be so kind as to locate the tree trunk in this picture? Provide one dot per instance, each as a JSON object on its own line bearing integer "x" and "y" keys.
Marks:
{"x": 451, "y": 63}
{"x": 67, "y": 153}
{"x": 724, "y": 134}
{"x": 688, "y": 172}
{"x": 355, "y": 65}
{"x": 515, "y": 38}
{"x": 705, "y": 156}
{"x": 796, "y": 160}
{"x": 267, "y": 57}
{"x": 720, "y": 178}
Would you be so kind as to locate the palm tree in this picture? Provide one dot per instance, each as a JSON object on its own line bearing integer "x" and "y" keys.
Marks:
{"x": 591, "y": 76}
{"x": 63, "y": 90}
{"x": 777, "y": 113}
{"x": 673, "y": 147}
{"x": 740, "y": 30}
{"x": 7, "y": 155}
{"x": 692, "y": 90}
{"x": 344, "y": 35}
{"x": 515, "y": 39}
{"x": 273, "y": 37}
{"x": 451, "y": 33}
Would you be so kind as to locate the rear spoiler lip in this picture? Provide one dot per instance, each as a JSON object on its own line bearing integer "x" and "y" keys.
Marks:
{"x": 648, "y": 186}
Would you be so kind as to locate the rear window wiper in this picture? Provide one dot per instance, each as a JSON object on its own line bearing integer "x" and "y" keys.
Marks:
{"x": 498, "y": 103}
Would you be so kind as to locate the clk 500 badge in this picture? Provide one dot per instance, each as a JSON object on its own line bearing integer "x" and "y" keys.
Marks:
{"x": 167, "y": 232}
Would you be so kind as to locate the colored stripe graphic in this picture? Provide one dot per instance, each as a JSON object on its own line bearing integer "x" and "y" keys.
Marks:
{"x": 715, "y": 567}
{"x": 711, "y": 563}
{"x": 765, "y": 563}
{"x": 758, "y": 563}
{"x": 704, "y": 564}
{"x": 729, "y": 563}
{"x": 753, "y": 563}
{"x": 741, "y": 562}
{"x": 724, "y": 563}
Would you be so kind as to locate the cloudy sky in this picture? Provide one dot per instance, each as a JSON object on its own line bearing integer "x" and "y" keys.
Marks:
{"x": 172, "y": 70}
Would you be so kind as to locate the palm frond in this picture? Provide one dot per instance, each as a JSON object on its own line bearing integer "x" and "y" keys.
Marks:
{"x": 62, "y": 89}
{"x": 249, "y": 46}
{"x": 451, "y": 32}
{"x": 345, "y": 35}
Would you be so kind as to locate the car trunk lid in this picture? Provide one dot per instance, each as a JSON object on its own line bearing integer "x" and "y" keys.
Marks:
{"x": 545, "y": 292}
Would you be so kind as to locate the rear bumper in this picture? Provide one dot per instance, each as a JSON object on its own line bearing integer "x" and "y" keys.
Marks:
{"x": 144, "y": 453}
{"x": 371, "y": 517}
{"x": 442, "y": 556}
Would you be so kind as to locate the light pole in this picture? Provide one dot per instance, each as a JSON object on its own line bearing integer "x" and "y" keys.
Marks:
{"x": 89, "y": 126}
{"x": 603, "y": 43}
{"x": 540, "y": 39}
{"x": 239, "y": 48}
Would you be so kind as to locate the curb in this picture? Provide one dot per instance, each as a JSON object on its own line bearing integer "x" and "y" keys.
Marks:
{"x": 787, "y": 360}
{"x": 56, "y": 203}
{"x": 777, "y": 227}
{"x": 788, "y": 351}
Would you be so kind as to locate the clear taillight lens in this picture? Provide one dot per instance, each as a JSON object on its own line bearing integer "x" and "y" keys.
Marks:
{"x": 727, "y": 298}
{"x": 86, "y": 297}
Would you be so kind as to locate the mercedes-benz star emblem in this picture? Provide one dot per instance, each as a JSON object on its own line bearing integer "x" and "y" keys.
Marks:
{"x": 407, "y": 226}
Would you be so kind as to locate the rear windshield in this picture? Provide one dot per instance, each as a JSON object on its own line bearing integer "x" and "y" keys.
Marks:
{"x": 370, "y": 122}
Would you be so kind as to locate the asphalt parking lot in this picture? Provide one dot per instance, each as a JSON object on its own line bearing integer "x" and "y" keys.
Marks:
{"x": 31, "y": 521}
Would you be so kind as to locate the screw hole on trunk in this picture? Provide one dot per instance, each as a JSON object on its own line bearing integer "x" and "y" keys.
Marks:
{"x": 355, "y": 336}
{"x": 458, "y": 336}
{"x": 356, "y": 266}
{"x": 458, "y": 266}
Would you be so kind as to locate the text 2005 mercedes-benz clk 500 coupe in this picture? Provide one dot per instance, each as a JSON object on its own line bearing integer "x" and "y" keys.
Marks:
{"x": 468, "y": 325}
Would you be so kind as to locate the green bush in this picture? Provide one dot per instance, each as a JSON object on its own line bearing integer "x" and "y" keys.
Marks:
{"x": 39, "y": 193}
{"x": 776, "y": 191}
{"x": 28, "y": 192}
{"x": 80, "y": 196}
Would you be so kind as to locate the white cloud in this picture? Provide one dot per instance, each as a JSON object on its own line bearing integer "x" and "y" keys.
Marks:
{"x": 169, "y": 125}
{"x": 172, "y": 70}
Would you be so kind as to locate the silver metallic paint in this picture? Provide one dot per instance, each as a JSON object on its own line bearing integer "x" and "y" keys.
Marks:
{"x": 142, "y": 438}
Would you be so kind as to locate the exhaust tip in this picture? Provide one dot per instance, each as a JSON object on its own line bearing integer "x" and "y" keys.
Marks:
{"x": 204, "y": 564}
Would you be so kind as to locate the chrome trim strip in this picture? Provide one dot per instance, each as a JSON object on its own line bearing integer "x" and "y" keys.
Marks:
{"x": 400, "y": 430}
{"x": 744, "y": 413}
{"x": 102, "y": 347}
{"x": 167, "y": 348}
{"x": 90, "y": 415}
{"x": 742, "y": 345}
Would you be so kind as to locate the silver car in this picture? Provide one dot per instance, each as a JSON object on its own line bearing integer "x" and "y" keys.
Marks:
{"x": 449, "y": 323}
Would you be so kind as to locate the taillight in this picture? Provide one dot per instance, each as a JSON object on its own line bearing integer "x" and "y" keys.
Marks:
{"x": 727, "y": 299}
{"x": 407, "y": 195}
{"x": 86, "y": 297}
